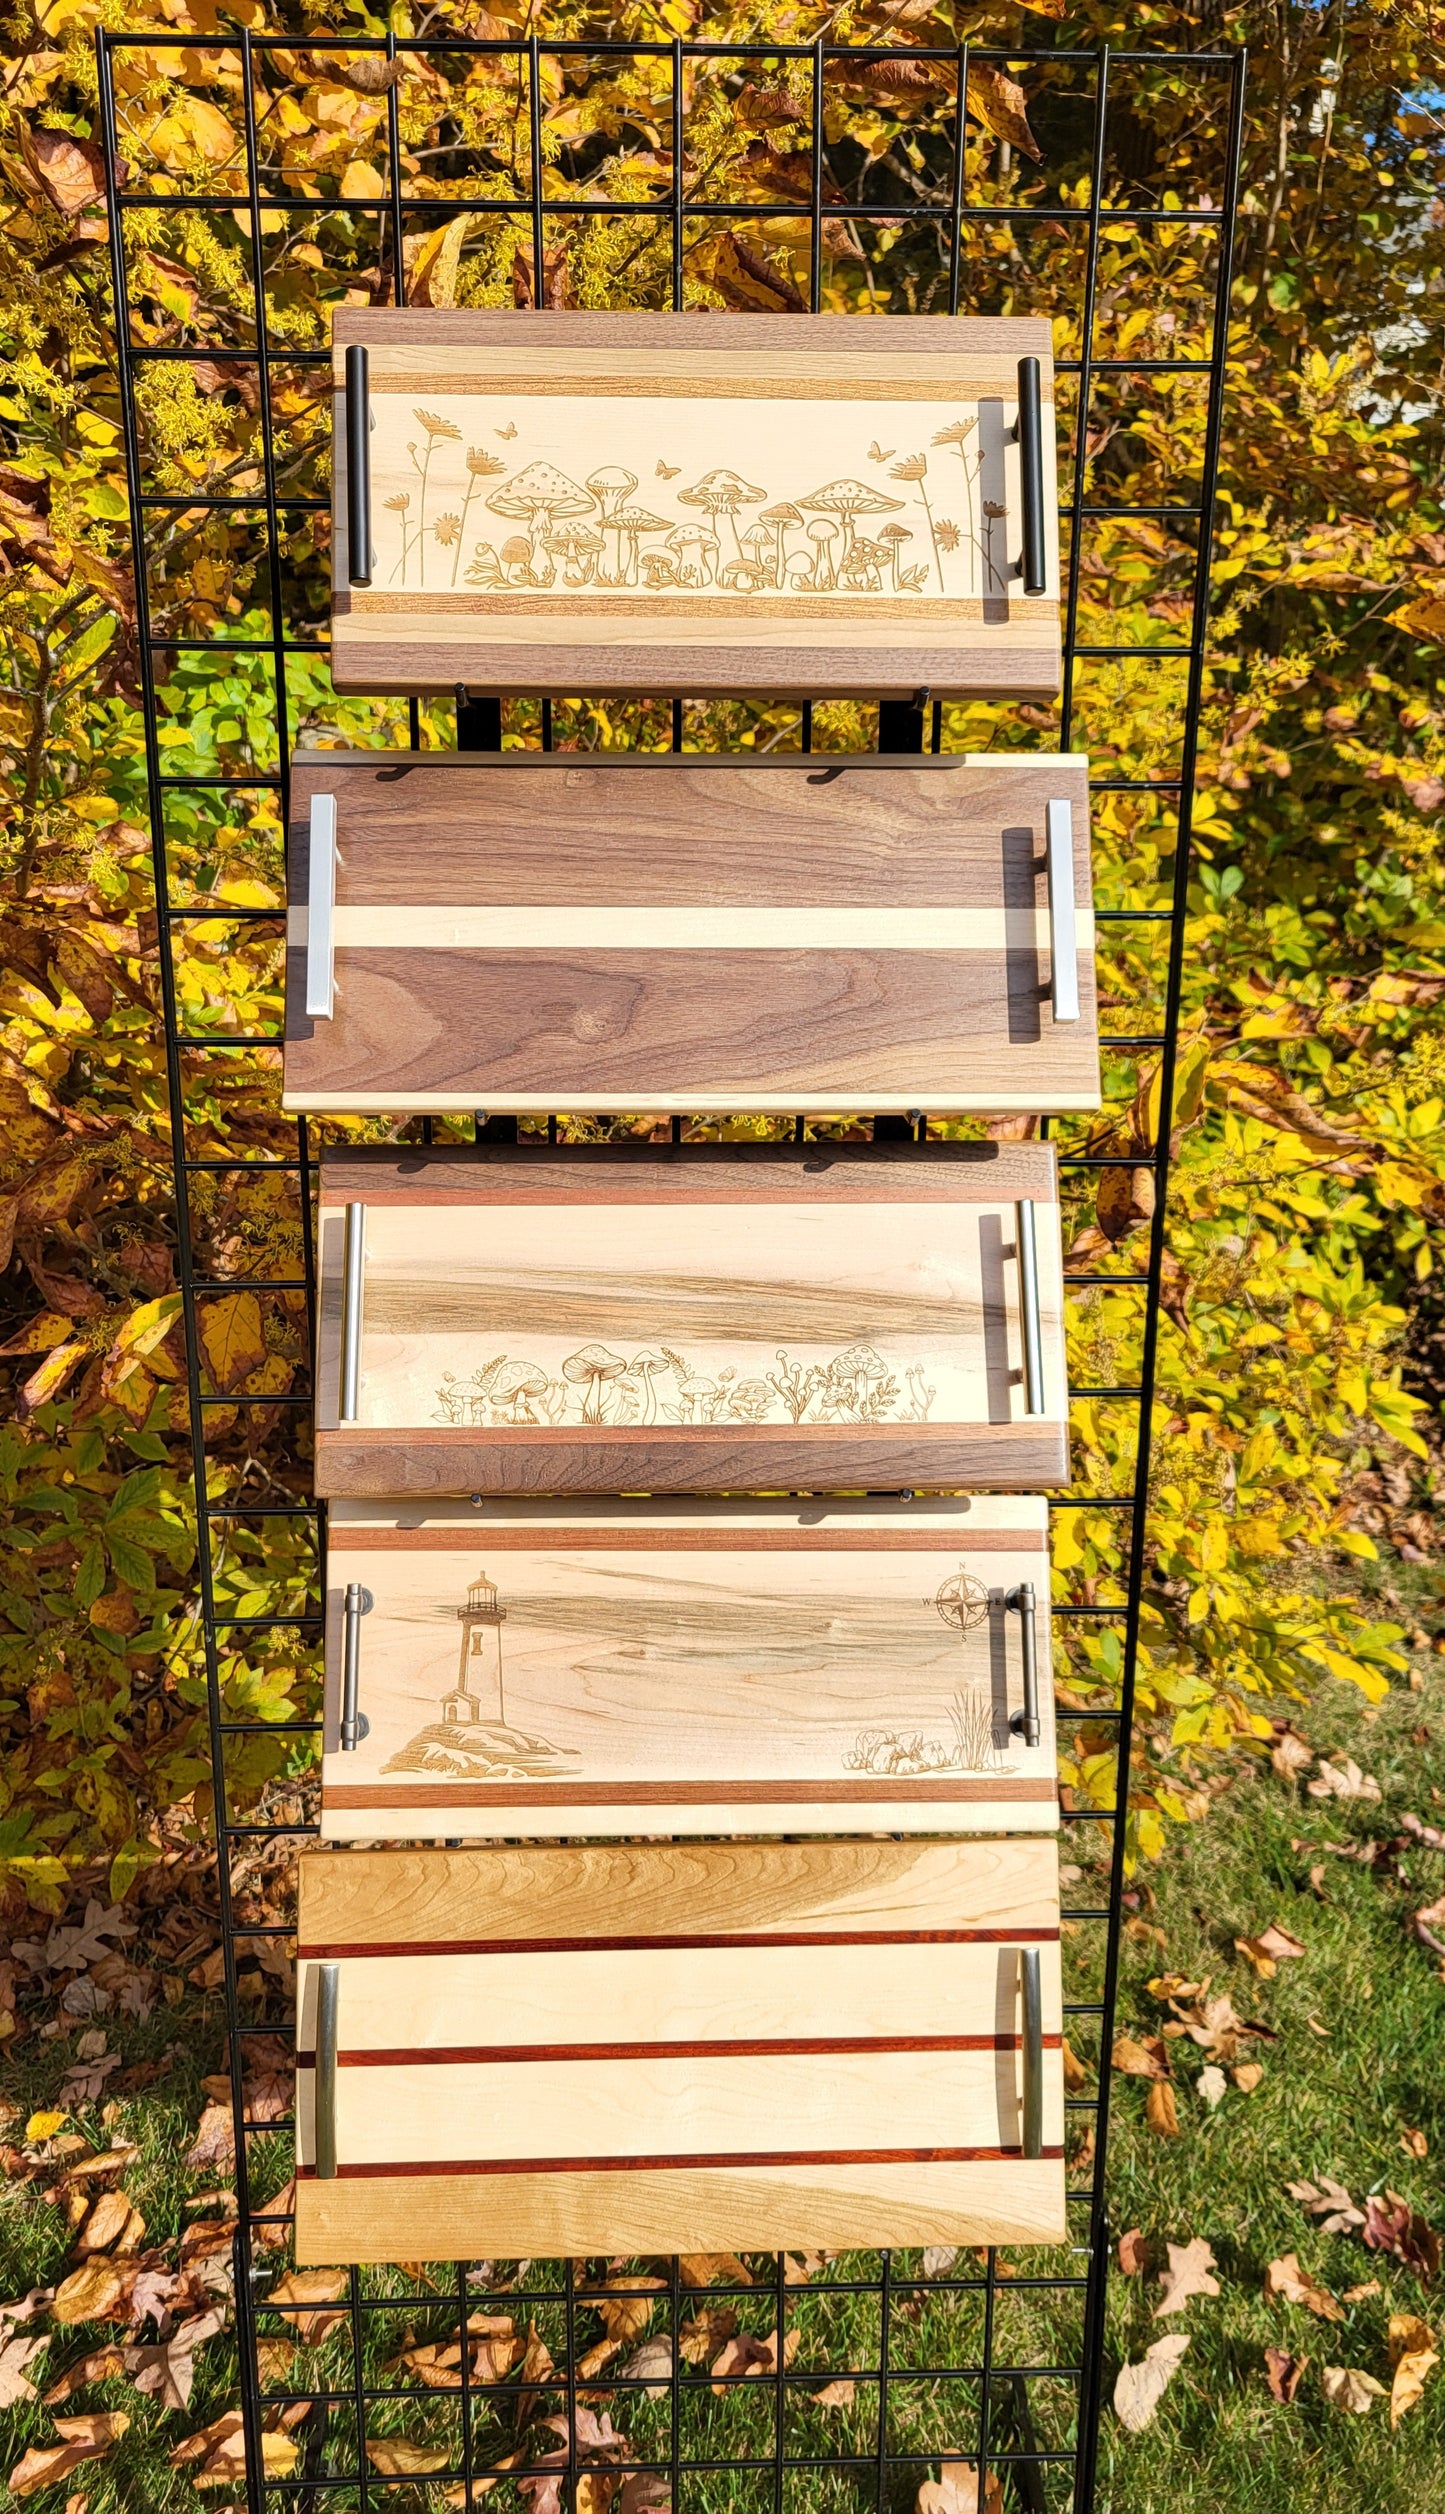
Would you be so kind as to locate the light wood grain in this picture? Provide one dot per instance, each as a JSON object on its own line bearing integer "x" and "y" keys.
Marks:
{"x": 723, "y": 1679}
{"x": 721, "y": 1022}
{"x": 673, "y": 2042}
{"x": 608, "y": 585}
{"x": 727, "y": 1327}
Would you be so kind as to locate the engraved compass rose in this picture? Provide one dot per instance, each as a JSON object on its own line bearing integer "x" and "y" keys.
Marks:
{"x": 962, "y": 1602}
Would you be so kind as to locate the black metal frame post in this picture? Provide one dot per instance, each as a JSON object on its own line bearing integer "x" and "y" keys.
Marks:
{"x": 996, "y": 2411}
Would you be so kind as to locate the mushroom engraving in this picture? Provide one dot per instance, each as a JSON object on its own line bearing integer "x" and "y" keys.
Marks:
{"x": 538, "y": 497}
{"x": 634, "y": 521}
{"x": 514, "y": 1384}
{"x": 780, "y": 517}
{"x": 696, "y": 548}
{"x": 612, "y": 486}
{"x": 722, "y": 493}
{"x": 645, "y": 1368}
{"x": 845, "y": 499}
{"x": 577, "y": 543}
{"x": 591, "y": 1369}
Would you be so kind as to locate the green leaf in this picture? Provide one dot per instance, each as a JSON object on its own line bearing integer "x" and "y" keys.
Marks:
{"x": 90, "y": 1576}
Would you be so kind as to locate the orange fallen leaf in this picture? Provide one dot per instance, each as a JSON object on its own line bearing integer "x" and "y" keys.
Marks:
{"x": 1141, "y": 2387}
{"x": 747, "y": 2355}
{"x": 955, "y": 2491}
{"x": 1357, "y": 2295}
{"x": 1187, "y": 2275}
{"x": 396, "y": 2458}
{"x": 1273, "y": 1947}
{"x": 88, "y": 2294}
{"x": 625, "y": 2306}
{"x": 1160, "y": 2111}
{"x": 1348, "y": 2388}
{"x": 1140, "y": 2060}
{"x": 1247, "y": 2076}
{"x": 1415, "y": 2143}
{"x": 1285, "y": 2278}
{"x": 1413, "y": 2356}
{"x": 310, "y": 2287}
{"x": 83, "y": 2440}
{"x": 713, "y": 2269}
{"x": 1075, "y": 2073}
{"x": 838, "y": 2395}
{"x": 1283, "y": 2372}
{"x": 1133, "y": 2253}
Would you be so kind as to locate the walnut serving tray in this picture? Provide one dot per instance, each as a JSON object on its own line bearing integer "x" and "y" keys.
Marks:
{"x": 705, "y": 1318}
{"x": 515, "y": 1668}
{"x": 696, "y": 503}
{"x": 555, "y": 932}
{"x": 676, "y": 2047}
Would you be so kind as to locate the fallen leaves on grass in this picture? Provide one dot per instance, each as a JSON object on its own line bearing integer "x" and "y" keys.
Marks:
{"x": 938, "y": 2259}
{"x": 650, "y": 2366}
{"x": 1415, "y": 2143}
{"x": 1140, "y": 2060}
{"x": 956, "y": 2491}
{"x": 838, "y": 2395}
{"x": 1357, "y": 2295}
{"x": 1348, "y": 2388}
{"x": 89, "y": 2294}
{"x": 1413, "y": 2356}
{"x": 396, "y": 2458}
{"x": 1076, "y": 2074}
{"x": 1187, "y": 2275}
{"x": 746, "y": 2355}
{"x": 1133, "y": 2253}
{"x": 1291, "y": 1755}
{"x": 310, "y": 2287}
{"x": 16, "y": 2358}
{"x": 218, "y": 2452}
{"x": 1283, "y": 2373}
{"x": 1273, "y": 1947}
{"x": 84, "y": 2440}
{"x": 713, "y": 2269}
{"x": 1142, "y": 2386}
{"x": 112, "y": 2224}
{"x": 1247, "y": 2076}
{"x": 1391, "y": 2225}
{"x": 625, "y": 2306}
{"x": 1343, "y": 1779}
{"x": 1211, "y": 2085}
{"x": 215, "y": 2140}
{"x": 700, "y": 2339}
{"x": 1330, "y": 2202}
{"x": 99, "y": 2366}
{"x": 1285, "y": 2278}
{"x": 168, "y": 2367}
{"x": 1161, "y": 2112}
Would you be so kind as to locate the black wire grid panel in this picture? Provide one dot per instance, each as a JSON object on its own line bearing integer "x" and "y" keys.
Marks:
{"x": 974, "y": 2359}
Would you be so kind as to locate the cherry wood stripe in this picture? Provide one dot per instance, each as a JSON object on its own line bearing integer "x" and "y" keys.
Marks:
{"x": 356, "y": 1536}
{"x": 1004, "y": 1791}
{"x": 320, "y": 1951}
{"x": 796, "y": 2046}
{"x": 729, "y": 2163}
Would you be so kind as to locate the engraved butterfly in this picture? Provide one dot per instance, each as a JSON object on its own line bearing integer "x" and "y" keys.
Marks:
{"x": 876, "y": 452}
{"x": 509, "y": 430}
{"x": 962, "y": 1602}
{"x": 667, "y": 471}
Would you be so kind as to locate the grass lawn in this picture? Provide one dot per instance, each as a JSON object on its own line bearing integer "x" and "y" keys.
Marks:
{"x": 1359, "y": 2060}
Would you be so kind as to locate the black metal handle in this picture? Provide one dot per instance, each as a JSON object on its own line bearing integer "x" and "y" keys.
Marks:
{"x": 358, "y": 467}
{"x": 1030, "y": 434}
{"x": 1025, "y": 1723}
{"x": 1031, "y": 1999}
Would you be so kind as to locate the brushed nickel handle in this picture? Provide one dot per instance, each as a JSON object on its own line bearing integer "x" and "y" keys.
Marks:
{"x": 1028, "y": 1256}
{"x": 1025, "y": 1723}
{"x": 358, "y": 467}
{"x": 328, "y": 1991}
{"x": 354, "y": 1724}
{"x": 321, "y": 910}
{"x": 1029, "y": 437}
{"x": 353, "y": 1293}
{"x": 1063, "y": 921}
{"x": 1031, "y": 1998}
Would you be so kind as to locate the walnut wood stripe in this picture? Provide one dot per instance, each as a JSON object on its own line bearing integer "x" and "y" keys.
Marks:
{"x": 356, "y": 1536}
{"x": 792, "y": 2046}
{"x": 583, "y": 383}
{"x": 730, "y": 2162}
{"x": 949, "y": 1458}
{"x": 1005, "y": 1791}
{"x": 315, "y": 1952}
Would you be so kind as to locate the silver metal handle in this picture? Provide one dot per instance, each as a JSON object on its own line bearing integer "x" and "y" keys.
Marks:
{"x": 353, "y": 1293}
{"x": 1031, "y": 2000}
{"x": 1063, "y": 923}
{"x": 354, "y": 1724}
{"x": 1028, "y": 1256}
{"x": 321, "y": 910}
{"x": 1025, "y": 1723}
{"x": 328, "y": 1991}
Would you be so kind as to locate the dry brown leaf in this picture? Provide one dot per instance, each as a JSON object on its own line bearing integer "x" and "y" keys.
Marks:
{"x": 1133, "y": 2253}
{"x": 1330, "y": 2202}
{"x": 168, "y": 2369}
{"x": 275, "y": 2357}
{"x": 1343, "y": 1779}
{"x": 310, "y": 2287}
{"x": 215, "y": 2140}
{"x": 1391, "y": 2225}
{"x": 1291, "y": 1755}
{"x": 839, "y": 2395}
{"x": 1187, "y": 2275}
{"x": 113, "y": 2224}
{"x": 1285, "y": 2278}
{"x": 1413, "y": 2355}
{"x": 100, "y": 2366}
{"x": 16, "y": 2357}
{"x": 1357, "y": 2295}
{"x": 84, "y": 2440}
{"x": 1075, "y": 2073}
{"x": 938, "y": 2259}
{"x": 396, "y": 2458}
{"x": 713, "y": 2269}
{"x": 1141, "y": 2387}
{"x": 1211, "y": 2085}
{"x": 955, "y": 2491}
{"x": 1140, "y": 2060}
{"x": 999, "y": 103}
{"x": 89, "y": 2293}
{"x": 746, "y": 2355}
{"x": 1269, "y": 1950}
{"x": 1415, "y": 2143}
{"x": 651, "y": 2366}
{"x": 700, "y": 2339}
{"x": 624, "y": 2305}
{"x": 1161, "y": 2112}
{"x": 1284, "y": 2372}
{"x": 1247, "y": 2076}
{"x": 1349, "y": 2389}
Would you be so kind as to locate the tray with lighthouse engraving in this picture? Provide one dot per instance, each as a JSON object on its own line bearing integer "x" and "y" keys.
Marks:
{"x": 553, "y": 931}
{"x": 497, "y": 1669}
{"x": 701, "y": 502}
{"x": 697, "y": 1318}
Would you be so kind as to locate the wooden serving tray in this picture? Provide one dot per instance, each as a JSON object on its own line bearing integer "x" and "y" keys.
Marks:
{"x": 748, "y": 1667}
{"x": 550, "y": 931}
{"x": 705, "y": 1318}
{"x": 676, "y": 2047}
{"x": 710, "y": 504}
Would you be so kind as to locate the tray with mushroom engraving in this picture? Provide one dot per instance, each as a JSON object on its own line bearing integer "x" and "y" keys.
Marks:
{"x": 500, "y": 1668}
{"x": 690, "y": 1318}
{"x": 699, "y": 502}
{"x": 559, "y": 931}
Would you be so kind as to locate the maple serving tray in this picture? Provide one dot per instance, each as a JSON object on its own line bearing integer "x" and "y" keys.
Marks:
{"x": 526, "y": 1668}
{"x": 708, "y": 504}
{"x": 675, "y": 2047}
{"x": 706, "y": 1318}
{"x": 547, "y": 931}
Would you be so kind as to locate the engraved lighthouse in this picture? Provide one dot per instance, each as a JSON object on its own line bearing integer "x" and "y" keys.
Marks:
{"x": 481, "y": 1620}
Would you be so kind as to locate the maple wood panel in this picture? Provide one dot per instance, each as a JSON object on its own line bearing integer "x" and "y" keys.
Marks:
{"x": 671, "y": 2047}
{"x": 692, "y": 502}
{"x": 710, "y": 1317}
{"x": 541, "y": 932}
{"x": 615, "y": 1668}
